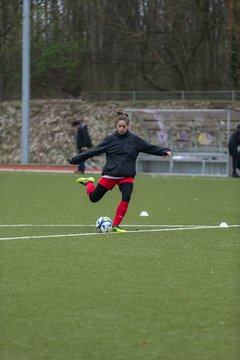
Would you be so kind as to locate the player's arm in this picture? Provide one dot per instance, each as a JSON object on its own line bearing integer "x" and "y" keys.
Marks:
{"x": 83, "y": 156}
{"x": 147, "y": 148}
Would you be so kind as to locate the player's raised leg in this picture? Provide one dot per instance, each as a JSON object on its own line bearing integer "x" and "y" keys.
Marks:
{"x": 88, "y": 182}
{"x": 95, "y": 193}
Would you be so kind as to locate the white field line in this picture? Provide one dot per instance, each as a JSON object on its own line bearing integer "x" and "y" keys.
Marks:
{"x": 91, "y": 225}
{"x": 201, "y": 227}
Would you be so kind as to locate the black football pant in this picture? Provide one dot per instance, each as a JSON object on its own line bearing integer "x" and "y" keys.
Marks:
{"x": 125, "y": 188}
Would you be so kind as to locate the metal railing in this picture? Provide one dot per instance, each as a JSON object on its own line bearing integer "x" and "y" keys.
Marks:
{"x": 220, "y": 95}
{"x": 134, "y": 96}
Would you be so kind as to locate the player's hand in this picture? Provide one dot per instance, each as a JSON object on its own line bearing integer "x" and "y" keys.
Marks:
{"x": 167, "y": 154}
{"x": 72, "y": 160}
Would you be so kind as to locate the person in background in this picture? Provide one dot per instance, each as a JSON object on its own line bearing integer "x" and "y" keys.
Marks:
{"x": 83, "y": 142}
{"x": 121, "y": 149}
{"x": 234, "y": 151}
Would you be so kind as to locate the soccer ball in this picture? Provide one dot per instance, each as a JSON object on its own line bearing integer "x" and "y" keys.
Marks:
{"x": 104, "y": 224}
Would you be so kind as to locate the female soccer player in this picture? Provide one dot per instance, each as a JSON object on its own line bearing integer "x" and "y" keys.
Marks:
{"x": 121, "y": 149}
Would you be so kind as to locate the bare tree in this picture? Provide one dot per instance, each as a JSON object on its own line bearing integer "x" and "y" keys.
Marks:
{"x": 233, "y": 28}
{"x": 82, "y": 46}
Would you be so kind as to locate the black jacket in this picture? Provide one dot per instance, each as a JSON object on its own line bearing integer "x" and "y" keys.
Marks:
{"x": 121, "y": 153}
{"x": 83, "y": 139}
{"x": 235, "y": 138}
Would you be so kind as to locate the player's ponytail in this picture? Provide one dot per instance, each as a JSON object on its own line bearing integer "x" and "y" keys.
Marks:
{"x": 121, "y": 115}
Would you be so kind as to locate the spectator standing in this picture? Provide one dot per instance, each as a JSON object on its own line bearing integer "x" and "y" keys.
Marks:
{"x": 234, "y": 150}
{"x": 83, "y": 141}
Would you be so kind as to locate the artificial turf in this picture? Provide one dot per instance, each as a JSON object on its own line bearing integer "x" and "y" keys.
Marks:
{"x": 163, "y": 294}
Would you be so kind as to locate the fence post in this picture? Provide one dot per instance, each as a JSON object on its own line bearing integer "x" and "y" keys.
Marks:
{"x": 229, "y": 164}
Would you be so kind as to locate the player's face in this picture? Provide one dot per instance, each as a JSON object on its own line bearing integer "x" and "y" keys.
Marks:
{"x": 122, "y": 127}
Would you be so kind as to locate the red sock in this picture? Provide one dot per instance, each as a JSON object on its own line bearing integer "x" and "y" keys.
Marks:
{"x": 89, "y": 187}
{"x": 120, "y": 212}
